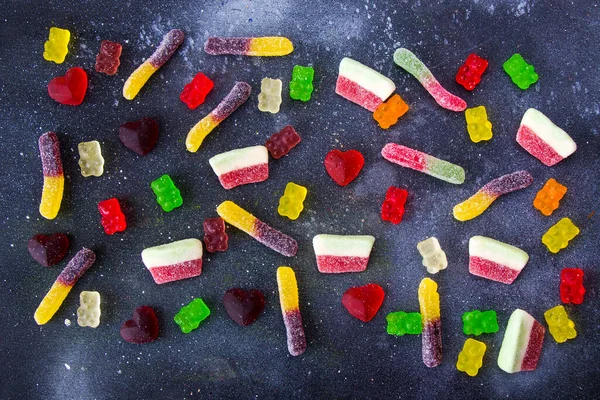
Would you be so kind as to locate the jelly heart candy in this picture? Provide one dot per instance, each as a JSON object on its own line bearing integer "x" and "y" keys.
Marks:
{"x": 69, "y": 89}
{"x": 140, "y": 136}
{"x": 363, "y": 302}
{"x": 142, "y": 328}
{"x": 48, "y": 249}
{"x": 344, "y": 166}
{"x": 243, "y": 306}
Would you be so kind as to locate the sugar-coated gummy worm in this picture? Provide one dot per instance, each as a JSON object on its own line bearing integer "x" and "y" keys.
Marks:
{"x": 290, "y": 308}
{"x": 236, "y": 97}
{"x": 522, "y": 343}
{"x": 407, "y": 60}
{"x": 54, "y": 179}
{"x": 422, "y": 162}
{"x": 480, "y": 201}
{"x": 270, "y": 237}
{"x": 161, "y": 55}
{"x": 260, "y": 46}
{"x": 74, "y": 270}
{"x": 429, "y": 302}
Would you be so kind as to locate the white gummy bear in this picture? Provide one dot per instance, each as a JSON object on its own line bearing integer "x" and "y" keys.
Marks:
{"x": 434, "y": 258}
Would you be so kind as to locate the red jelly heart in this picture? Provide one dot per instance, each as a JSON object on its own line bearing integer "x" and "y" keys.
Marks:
{"x": 69, "y": 89}
{"x": 140, "y": 136}
{"x": 48, "y": 249}
{"x": 142, "y": 328}
{"x": 363, "y": 302}
{"x": 343, "y": 167}
{"x": 243, "y": 306}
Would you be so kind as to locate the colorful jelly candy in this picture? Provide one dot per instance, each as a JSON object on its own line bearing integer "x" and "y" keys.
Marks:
{"x": 548, "y": 198}
{"x": 174, "y": 261}
{"x": 113, "y": 219}
{"x": 522, "y": 343}
{"x": 560, "y": 326}
{"x": 55, "y": 48}
{"x": 280, "y": 143}
{"x": 91, "y": 161}
{"x": 470, "y": 358}
{"x": 362, "y": 85}
{"x": 241, "y": 166}
{"x": 290, "y": 308}
{"x": 543, "y": 139}
{"x": 400, "y": 323}
{"x": 74, "y": 270}
{"x": 387, "y": 113}
{"x": 469, "y": 74}
{"x": 109, "y": 57}
{"x": 342, "y": 253}
{"x": 48, "y": 250}
{"x": 243, "y": 46}
{"x": 559, "y": 235}
{"x": 54, "y": 179}
{"x": 243, "y": 306}
{"x": 269, "y": 98}
{"x": 429, "y": 302}
{"x": 140, "y": 136}
{"x": 88, "y": 313}
{"x": 263, "y": 233}
{"x": 291, "y": 203}
{"x": 405, "y": 59}
{"x": 189, "y": 317}
{"x": 495, "y": 260}
{"x": 301, "y": 85}
{"x": 571, "y": 285}
{"x": 392, "y": 208}
{"x": 434, "y": 258}
{"x": 236, "y": 97}
{"x": 477, "y": 322}
{"x": 69, "y": 89}
{"x": 480, "y": 201}
{"x": 215, "y": 237}
{"x": 142, "y": 328}
{"x": 422, "y": 162}
{"x": 195, "y": 92}
{"x": 163, "y": 53}
{"x": 521, "y": 73}
{"x": 343, "y": 166}
{"x": 167, "y": 194}
{"x": 478, "y": 126}
{"x": 363, "y": 302}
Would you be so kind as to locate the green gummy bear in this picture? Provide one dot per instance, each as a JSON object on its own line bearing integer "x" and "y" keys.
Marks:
{"x": 400, "y": 323}
{"x": 189, "y": 317}
{"x": 476, "y": 322}
{"x": 167, "y": 195}
{"x": 301, "y": 86}
{"x": 522, "y": 74}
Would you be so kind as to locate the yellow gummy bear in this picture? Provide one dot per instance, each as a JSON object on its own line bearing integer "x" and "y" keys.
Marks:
{"x": 55, "y": 48}
{"x": 270, "y": 46}
{"x": 470, "y": 359}
{"x": 91, "y": 161}
{"x": 561, "y": 327}
{"x": 288, "y": 289}
{"x": 478, "y": 126}
{"x": 291, "y": 203}
{"x": 558, "y": 236}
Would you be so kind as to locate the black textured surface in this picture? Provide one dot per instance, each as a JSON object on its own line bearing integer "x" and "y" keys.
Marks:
{"x": 345, "y": 358}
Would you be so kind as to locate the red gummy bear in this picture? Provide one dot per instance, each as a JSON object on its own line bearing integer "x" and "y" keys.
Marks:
{"x": 392, "y": 208}
{"x": 108, "y": 59}
{"x": 215, "y": 237}
{"x": 363, "y": 302}
{"x": 469, "y": 74}
{"x": 113, "y": 220}
{"x": 142, "y": 328}
{"x": 571, "y": 286}
{"x": 280, "y": 143}
{"x": 69, "y": 89}
{"x": 343, "y": 167}
{"x": 194, "y": 93}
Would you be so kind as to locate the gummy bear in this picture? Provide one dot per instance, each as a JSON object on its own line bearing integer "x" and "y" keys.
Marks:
{"x": 301, "y": 85}
{"x": 167, "y": 194}
{"x": 571, "y": 285}
{"x": 90, "y": 158}
{"x": 280, "y": 143}
{"x": 478, "y": 126}
{"x": 548, "y": 198}
{"x": 269, "y": 98}
{"x": 189, "y": 317}
{"x": 470, "y": 359}
{"x": 477, "y": 322}
{"x": 113, "y": 220}
{"x": 392, "y": 208}
{"x": 109, "y": 57}
{"x": 48, "y": 250}
{"x": 215, "y": 237}
{"x": 291, "y": 203}
{"x": 559, "y": 235}
{"x": 401, "y": 323}
{"x": 387, "y": 113}
{"x": 142, "y": 328}
{"x": 194, "y": 93}
{"x": 469, "y": 74}
{"x": 88, "y": 313}
{"x": 560, "y": 326}
{"x": 55, "y": 48}
{"x": 434, "y": 258}
{"x": 522, "y": 74}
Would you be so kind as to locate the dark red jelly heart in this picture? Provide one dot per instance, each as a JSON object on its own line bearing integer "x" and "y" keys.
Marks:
{"x": 363, "y": 302}
{"x": 343, "y": 166}
{"x": 142, "y": 328}
{"x": 69, "y": 89}
{"x": 48, "y": 250}
{"x": 243, "y": 306}
{"x": 140, "y": 136}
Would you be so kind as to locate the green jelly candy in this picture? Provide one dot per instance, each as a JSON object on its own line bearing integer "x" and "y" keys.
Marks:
{"x": 301, "y": 85}
{"x": 190, "y": 316}
{"x": 476, "y": 322}
{"x": 522, "y": 74}
{"x": 167, "y": 195}
{"x": 400, "y": 323}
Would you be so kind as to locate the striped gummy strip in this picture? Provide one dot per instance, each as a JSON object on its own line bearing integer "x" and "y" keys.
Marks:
{"x": 429, "y": 302}
{"x": 290, "y": 308}
{"x": 260, "y": 46}
{"x": 174, "y": 261}
{"x": 54, "y": 179}
{"x": 522, "y": 343}
{"x": 241, "y": 166}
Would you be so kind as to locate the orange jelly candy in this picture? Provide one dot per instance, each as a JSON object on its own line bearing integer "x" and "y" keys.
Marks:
{"x": 387, "y": 113}
{"x": 548, "y": 198}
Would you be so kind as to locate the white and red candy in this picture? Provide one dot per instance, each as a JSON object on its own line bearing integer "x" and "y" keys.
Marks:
{"x": 174, "y": 261}
{"x": 363, "y": 85}
{"x": 495, "y": 260}
{"x": 522, "y": 343}
{"x": 241, "y": 166}
{"x": 337, "y": 254}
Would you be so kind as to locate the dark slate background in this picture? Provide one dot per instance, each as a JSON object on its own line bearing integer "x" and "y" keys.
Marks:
{"x": 345, "y": 358}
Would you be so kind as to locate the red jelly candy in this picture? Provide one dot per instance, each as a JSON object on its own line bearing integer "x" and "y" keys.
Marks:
{"x": 142, "y": 328}
{"x": 48, "y": 250}
{"x": 69, "y": 89}
{"x": 392, "y": 208}
{"x": 215, "y": 237}
{"x": 108, "y": 59}
{"x": 363, "y": 302}
{"x": 113, "y": 220}
{"x": 469, "y": 74}
{"x": 571, "y": 286}
{"x": 280, "y": 143}
{"x": 194, "y": 93}
{"x": 140, "y": 136}
{"x": 243, "y": 306}
{"x": 344, "y": 166}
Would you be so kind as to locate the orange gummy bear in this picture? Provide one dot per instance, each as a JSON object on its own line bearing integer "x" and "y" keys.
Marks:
{"x": 548, "y": 198}
{"x": 387, "y": 113}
